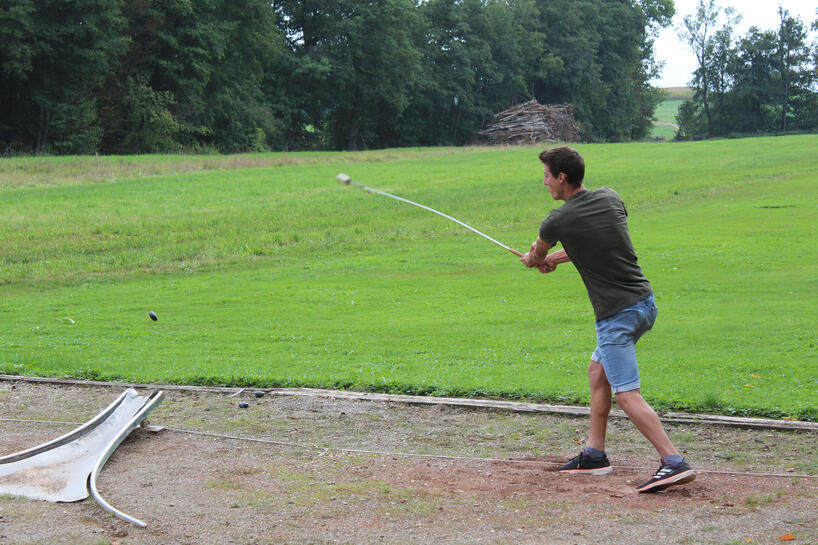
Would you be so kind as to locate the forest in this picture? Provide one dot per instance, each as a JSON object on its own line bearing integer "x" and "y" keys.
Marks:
{"x": 147, "y": 76}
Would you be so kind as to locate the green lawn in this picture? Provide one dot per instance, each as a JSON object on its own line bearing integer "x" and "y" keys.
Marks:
{"x": 265, "y": 271}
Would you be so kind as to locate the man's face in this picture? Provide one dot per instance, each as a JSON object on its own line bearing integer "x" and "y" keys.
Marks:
{"x": 553, "y": 184}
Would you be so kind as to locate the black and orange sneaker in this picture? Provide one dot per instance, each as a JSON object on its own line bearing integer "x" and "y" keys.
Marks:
{"x": 586, "y": 465}
{"x": 668, "y": 475}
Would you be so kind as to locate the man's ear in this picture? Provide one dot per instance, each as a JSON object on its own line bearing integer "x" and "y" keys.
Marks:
{"x": 562, "y": 178}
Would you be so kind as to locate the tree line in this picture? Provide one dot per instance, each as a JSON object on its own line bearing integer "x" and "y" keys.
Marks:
{"x": 138, "y": 76}
{"x": 764, "y": 82}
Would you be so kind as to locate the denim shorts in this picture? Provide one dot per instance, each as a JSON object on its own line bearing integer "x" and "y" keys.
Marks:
{"x": 616, "y": 343}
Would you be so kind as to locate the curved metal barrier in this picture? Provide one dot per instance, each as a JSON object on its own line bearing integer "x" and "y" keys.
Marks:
{"x": 154, "y": 400}
{"x": 63, "y": 469}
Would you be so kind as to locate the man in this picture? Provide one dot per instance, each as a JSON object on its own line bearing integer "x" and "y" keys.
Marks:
{"x": 592, "y": 227}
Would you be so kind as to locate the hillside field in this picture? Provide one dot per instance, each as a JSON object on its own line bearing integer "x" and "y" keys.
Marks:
{"x": 264, "y": 271}
{"x": 679, "y": 93}
{"x": 665, "y": 118}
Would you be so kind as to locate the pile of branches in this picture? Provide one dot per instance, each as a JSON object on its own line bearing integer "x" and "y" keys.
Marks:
{"x": 532, "y": 122}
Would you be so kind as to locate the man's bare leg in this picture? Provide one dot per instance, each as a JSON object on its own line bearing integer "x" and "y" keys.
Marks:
{"x": 646, "y": 421}
{"x": 600, "y": 405}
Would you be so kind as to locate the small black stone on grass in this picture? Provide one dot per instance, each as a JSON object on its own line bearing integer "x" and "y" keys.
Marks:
{"x": 243, "y": 405}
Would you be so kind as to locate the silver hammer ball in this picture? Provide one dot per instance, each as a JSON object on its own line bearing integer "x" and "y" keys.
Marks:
{"x": 343, "y": 178}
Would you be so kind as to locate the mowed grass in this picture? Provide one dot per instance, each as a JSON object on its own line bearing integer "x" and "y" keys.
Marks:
{"x": 276, "y": 275}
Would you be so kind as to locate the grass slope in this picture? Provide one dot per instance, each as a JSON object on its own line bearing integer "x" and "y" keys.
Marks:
{"x": 277, "y": 275}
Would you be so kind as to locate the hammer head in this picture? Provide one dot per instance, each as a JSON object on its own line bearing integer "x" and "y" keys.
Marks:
{"x": 343, "y": 178}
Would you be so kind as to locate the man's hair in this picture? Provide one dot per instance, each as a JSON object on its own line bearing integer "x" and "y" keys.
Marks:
{"x": 566, "y": 160}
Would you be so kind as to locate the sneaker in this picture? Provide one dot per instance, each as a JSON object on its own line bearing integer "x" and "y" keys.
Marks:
{"x": 584, "y": 464}
{"x": 668, "y": 475}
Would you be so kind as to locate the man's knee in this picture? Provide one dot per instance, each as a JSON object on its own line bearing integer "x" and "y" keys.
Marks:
{"x": 596, "y": 375}
{"x": 629, "y": 398}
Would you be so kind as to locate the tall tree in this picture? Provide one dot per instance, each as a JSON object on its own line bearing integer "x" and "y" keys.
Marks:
{"x": 603, "y": 51}
{"x": 723, "y": 56}
{"x": 191, "y": 77}
{"x": 247, "y": 42}
{"x": 478, "y": 57}
{"x": 135, "y": 104}
{"x": 357, "y": 58}
{"x": 753, "y": 91}
{"x": 793, "y": 62}
{"x": 443, "y": 107}
{"x": 698, "y": 30}
{"x": 17, "y": 18}
{"x": 573, "y": 40}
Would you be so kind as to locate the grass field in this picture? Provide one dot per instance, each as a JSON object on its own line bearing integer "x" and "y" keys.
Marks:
{"x": 667, "y": 110}
{"x": 265, "y": 271}
{"x": 665, "y": 123}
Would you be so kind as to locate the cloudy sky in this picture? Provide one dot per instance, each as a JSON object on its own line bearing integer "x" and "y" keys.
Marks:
{"x": 679, "y": 59}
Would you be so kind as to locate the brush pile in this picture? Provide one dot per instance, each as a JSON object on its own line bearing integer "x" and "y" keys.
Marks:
{"x": 532, "y": 122}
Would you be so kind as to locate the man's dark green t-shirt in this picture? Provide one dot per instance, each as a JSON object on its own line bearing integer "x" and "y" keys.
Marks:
{"x": 593, "y": 229}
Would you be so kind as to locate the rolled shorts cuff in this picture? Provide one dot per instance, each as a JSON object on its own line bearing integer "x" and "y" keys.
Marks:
{"x": 626, "y": 387}
{"x": 617, "y": 388}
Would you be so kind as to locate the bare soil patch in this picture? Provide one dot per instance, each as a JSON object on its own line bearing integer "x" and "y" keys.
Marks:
{"x": 329, "y": 472}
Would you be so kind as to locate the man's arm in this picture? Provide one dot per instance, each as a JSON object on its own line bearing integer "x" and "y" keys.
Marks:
{"x": 537, "y": 256}
{"x": 556, "y": 258}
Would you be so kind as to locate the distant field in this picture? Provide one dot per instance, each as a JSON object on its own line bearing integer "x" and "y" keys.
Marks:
{"x": 665, "y": 124}
{"x": 667, "y": 110}
{"x": 265, "y": 271}
{"x": 679, "y": 93}
{"x": 665, "y": 130}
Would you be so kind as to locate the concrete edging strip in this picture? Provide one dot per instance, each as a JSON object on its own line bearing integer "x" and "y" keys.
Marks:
{"x": 514, "y": 406}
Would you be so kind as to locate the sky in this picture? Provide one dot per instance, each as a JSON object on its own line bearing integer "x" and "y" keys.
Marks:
{"x": 679, "y": 59}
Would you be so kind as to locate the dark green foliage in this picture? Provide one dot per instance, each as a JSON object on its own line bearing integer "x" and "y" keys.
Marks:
{"x": 437, "y": 72}
{"x": 478, "y": 59}
{"x": 753, "y": 95}
{"x": 797, "y": 72}
{"x": 351, "y": 65}
{"x": 249, "y": 75}
{"x": 232, "y": 106}
{"x": 54, "y": 54}
{"x": 135, "y": 75}
{"x": 191, "y": 77}
{"x": 604, "y": 53}
{"x": 150, "y": 126}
